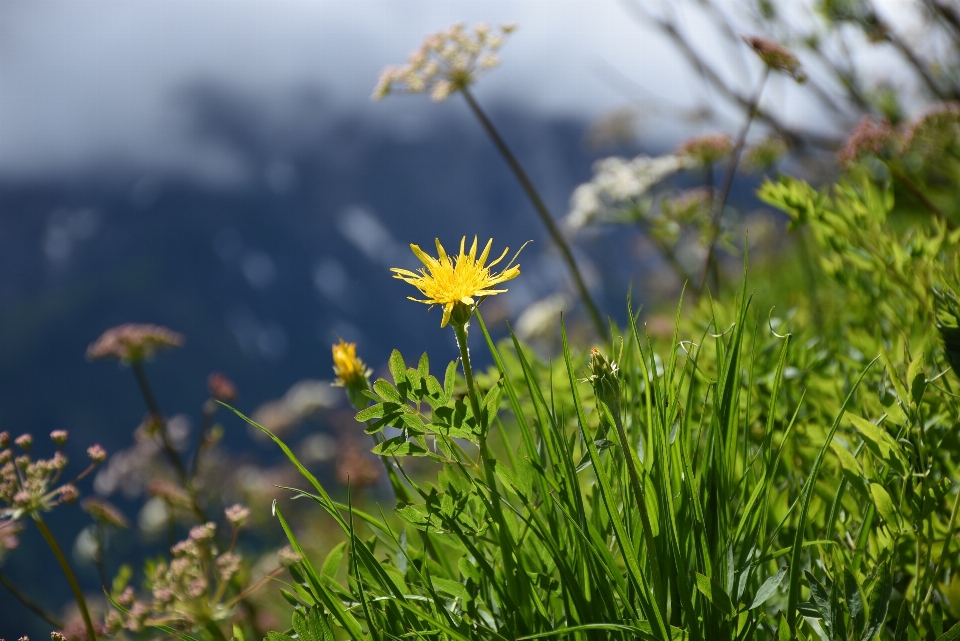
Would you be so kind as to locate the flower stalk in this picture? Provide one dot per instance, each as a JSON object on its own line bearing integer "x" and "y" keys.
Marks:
{"x": 68, "y": 572}
{"x": 541, "y": 208}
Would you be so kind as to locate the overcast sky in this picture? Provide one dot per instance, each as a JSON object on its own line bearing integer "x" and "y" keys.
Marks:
{"x": 82, "y": 80}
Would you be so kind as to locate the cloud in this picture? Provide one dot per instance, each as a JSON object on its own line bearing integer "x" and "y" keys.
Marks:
{"x": 81, "y": 82}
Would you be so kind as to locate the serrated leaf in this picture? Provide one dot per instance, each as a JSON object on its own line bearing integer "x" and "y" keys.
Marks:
{"x": 768, "y": 589}
{"x": 399, "y": 446}
{"x": 449, "y": 378}
{"x": 374, "y": 411}
{"x": 881, "y": 444}
{"x": 424, "y": 366}
{"x": 398, "y": 368}
{"x": 386, "y": 391}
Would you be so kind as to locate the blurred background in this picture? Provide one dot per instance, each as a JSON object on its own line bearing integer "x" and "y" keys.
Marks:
{"x": 218, "y": 167}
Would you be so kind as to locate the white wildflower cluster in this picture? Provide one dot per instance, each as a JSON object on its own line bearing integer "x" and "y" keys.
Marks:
{"x": 618, "y": 186}
{"x": 446, "y": 62}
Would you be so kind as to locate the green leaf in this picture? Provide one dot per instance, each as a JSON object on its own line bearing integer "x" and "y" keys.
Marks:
{"x": 847, "y": 460}
{"x": 399, "y": 446}
{"x": 768, "y": 589}
{"x": 881, "y": 444}
{"x": 950, "y": 635}
{"x": 387, "y": 391}
{"x": 510, "y": 479}
{"x": 397, "y": 368}
{"x": 885, "y": 506}
{"x": 238, "y": 633}
{"x": 453, "y": 588}
{"x": 374, "y": 411}
{"x": 449, "y": 378}
{"x": 332, "y": 563}
{"x": 715, "y": 594}
{"x": 468, "y": 570}
{"x": 424, "y": 366}
{"x": 878, "y": 600}
{"x": 783, "y": 629}
{"x": 916, "y": 380}
{"x": 854, "y": 602}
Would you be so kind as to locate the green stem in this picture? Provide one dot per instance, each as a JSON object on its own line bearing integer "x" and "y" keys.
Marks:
{"x": 215, "y": 631}
{"x": 542, "y": 211}
{"x": 945, "y": 553}
{"x": 486, "y": 459}
{"x": 721, "y": 202}
{"x": 919, "y": 194}
{"x": 30, "y": 604}
{"x": 68, "y": 572}
{"x": 206, "y": 424}
{"x": 154, "y": 408}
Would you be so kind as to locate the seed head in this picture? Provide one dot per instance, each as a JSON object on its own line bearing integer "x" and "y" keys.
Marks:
{"x": 706, "y": 150}
{"x": 69, "y": 493}
{"x": 133, "y": 342}
{"x": 203, "y": 532}
{"x": 97, "y": 454}
{"x": 605, "y": 378}
{"x": 59, "y": 437}
{"x": 237, "y": 515}
{"x": 171, "y": 493}
{"x": 869, "y": 136}
{"x": 221, "y": 388}
{"x": 288, "y": 556}
{"x": 24, "y": 441}
{"x": 446, "y": 62}
{"x": 105, "y": 512}
{"x": 776, "y": 56}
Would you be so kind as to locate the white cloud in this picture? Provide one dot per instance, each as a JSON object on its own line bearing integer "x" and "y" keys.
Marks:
{"x": 100, "y": 78}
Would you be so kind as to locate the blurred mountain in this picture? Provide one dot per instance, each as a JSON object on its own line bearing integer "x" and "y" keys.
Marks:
{"x": 283, "y": 242}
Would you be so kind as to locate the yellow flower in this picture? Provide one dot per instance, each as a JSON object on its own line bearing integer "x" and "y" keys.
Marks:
{"x": 451, "y": 281}
{"x": 349, "y": 369}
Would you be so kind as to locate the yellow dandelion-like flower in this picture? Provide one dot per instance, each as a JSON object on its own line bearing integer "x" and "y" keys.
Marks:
{"x": 349, "y": 369}
{"x": 450, "y": 281}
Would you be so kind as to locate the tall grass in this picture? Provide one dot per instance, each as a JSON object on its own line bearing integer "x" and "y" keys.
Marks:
{"x": 642, "y": 495}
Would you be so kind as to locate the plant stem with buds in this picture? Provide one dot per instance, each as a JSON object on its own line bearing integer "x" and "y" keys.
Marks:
{"x": 542, "y": 211}
{"x": 68, "y": 572}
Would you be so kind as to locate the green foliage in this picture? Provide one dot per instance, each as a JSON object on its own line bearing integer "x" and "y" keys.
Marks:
{"x": 730, "y": 483}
